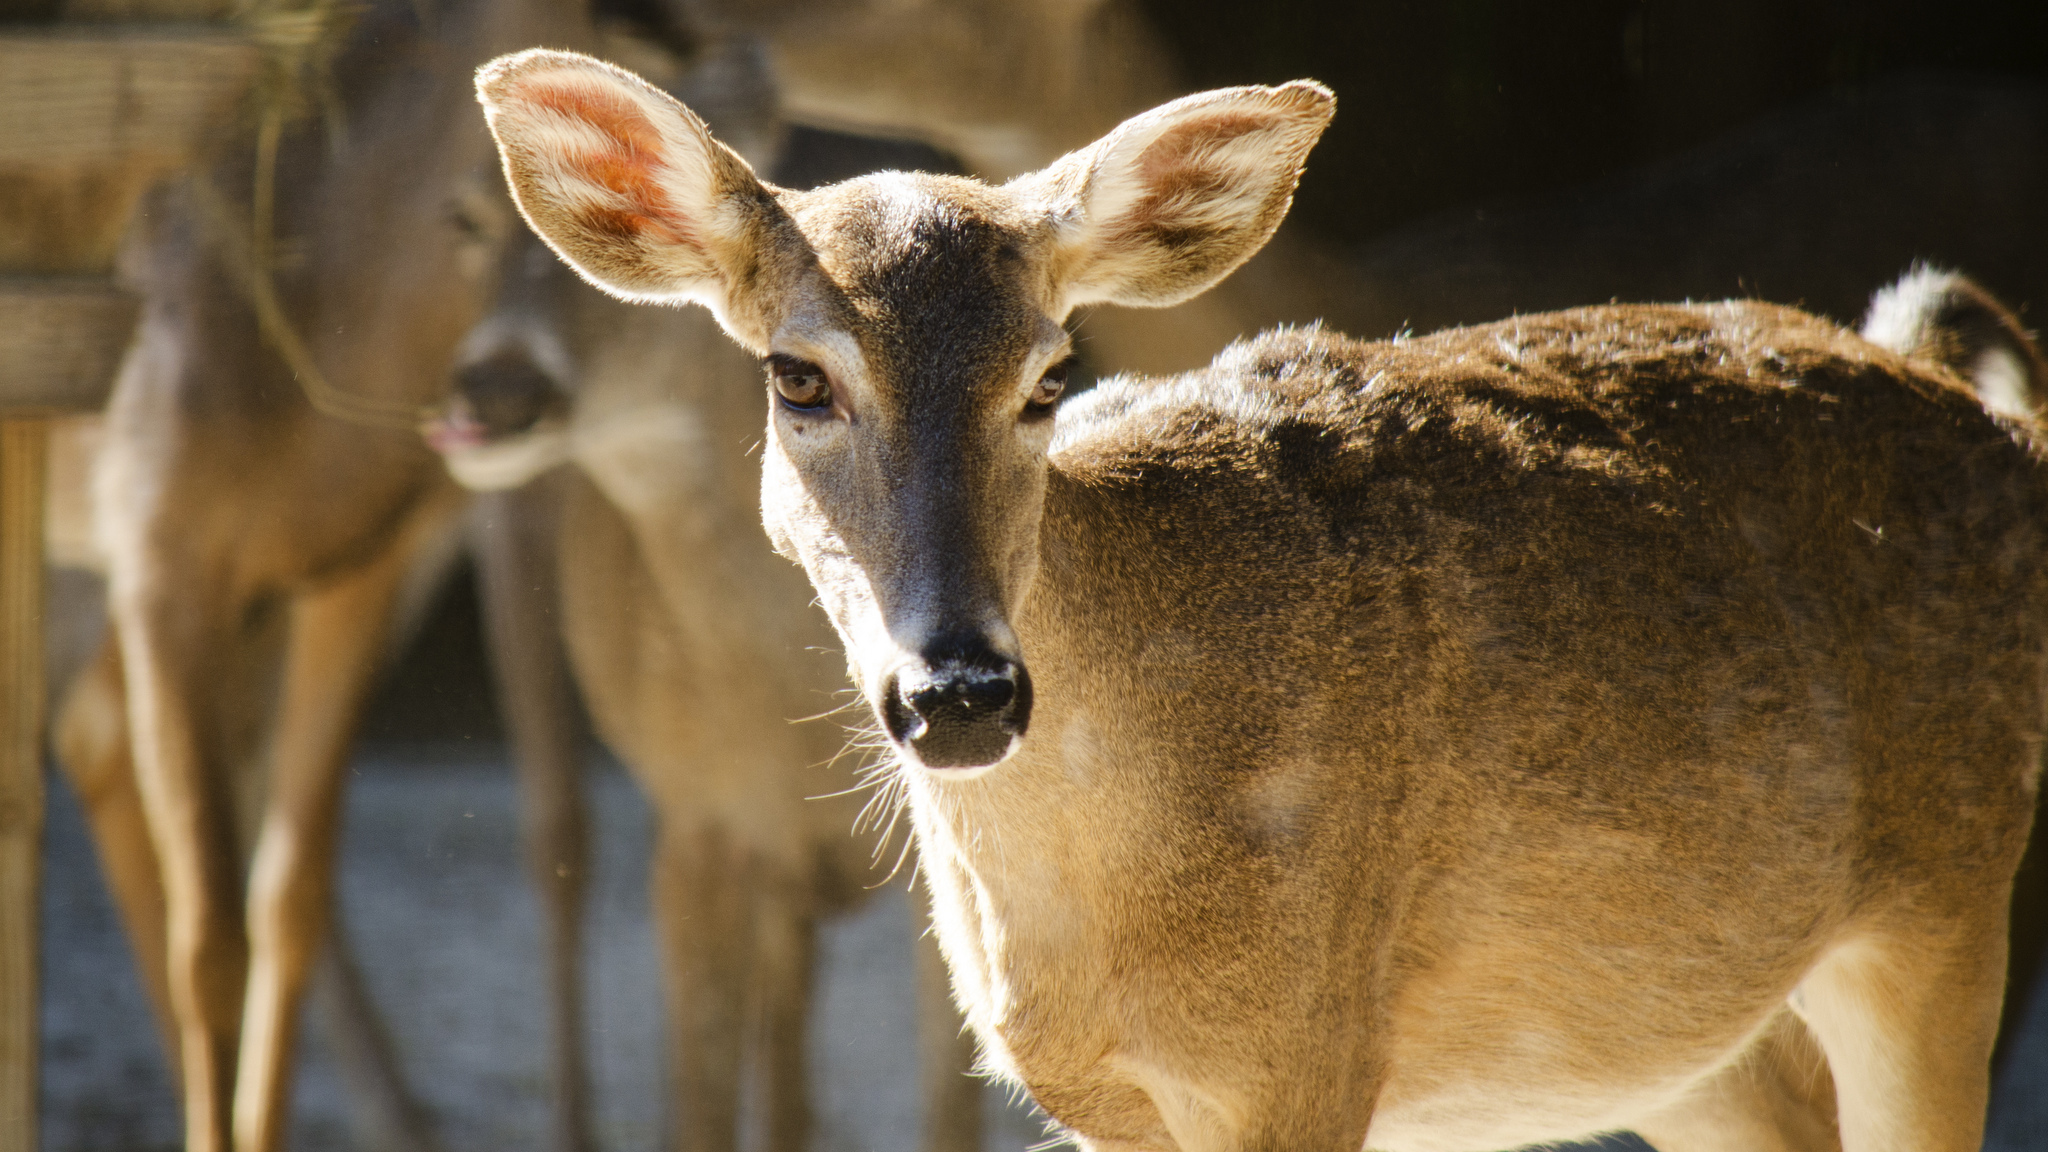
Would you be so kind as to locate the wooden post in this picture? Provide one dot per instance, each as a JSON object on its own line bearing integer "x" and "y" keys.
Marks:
{"x": 21, "y": 771}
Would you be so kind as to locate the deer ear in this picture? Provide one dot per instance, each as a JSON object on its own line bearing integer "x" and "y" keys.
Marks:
{"x": 623, "y": 182}
{"x": 1175, "y": 199}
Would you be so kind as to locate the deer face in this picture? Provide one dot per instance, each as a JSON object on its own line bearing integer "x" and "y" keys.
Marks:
{"x": 910, "y": 330}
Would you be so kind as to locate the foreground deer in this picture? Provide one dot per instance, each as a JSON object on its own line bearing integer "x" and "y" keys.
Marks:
{"x": 1456, "y": 743}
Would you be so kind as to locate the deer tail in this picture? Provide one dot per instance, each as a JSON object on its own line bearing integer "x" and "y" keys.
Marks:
{"x": 1945, "y": 319}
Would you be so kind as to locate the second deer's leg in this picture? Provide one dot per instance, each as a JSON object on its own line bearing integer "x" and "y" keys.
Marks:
{"x": 515, "y": 555}
{"x": 337, "y": 634}
{"x": 945, "y": 1052}
{"x": 93, "y": 748}
{"x": 386, "y": 1114}
{"x": 785, "y": 953}
{"x": 176, "y": 633}
{"x": 703, "y": 900}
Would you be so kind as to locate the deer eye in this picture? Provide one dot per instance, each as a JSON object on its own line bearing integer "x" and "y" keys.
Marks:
{"x": 1046, "y": 392}
{"x": 800, "y": 383}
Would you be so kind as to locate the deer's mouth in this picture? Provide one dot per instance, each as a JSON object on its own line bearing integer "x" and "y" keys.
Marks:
{"x": 957, "y": 707}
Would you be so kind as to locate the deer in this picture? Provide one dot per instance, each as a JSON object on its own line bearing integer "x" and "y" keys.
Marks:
{"x": 1498, "y": 737}
{"x": 196, "y": 341}
{"x": 696, "y": 649}
{"x": 259, "y": 548}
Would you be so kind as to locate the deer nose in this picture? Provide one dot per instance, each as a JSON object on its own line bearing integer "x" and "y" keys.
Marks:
{"x": 958, "y": 705}
{"x": 507, "y": 393}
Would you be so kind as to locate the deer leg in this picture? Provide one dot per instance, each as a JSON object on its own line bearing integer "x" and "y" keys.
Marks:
{"x": 786, "y": 954}
{"x": 946, "y": 1053}
{"x": 1907, "y": 1024}
{"x": 701, "y": 887}
{"x": 174, "y": 638}
{"x": 387, "y": 1115}
{"x": 1778, "y": 1098}
{"x": 517, "y": 579}
{"x": 91, "y": 738}
{"x": 336, "y": 637}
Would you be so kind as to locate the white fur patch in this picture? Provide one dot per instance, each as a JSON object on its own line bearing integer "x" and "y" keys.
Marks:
{"x": 2002, "y": 383}
{"x": 510, "y": 462}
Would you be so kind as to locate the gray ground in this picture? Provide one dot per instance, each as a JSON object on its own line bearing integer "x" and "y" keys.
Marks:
{"x": 447, "y": 931}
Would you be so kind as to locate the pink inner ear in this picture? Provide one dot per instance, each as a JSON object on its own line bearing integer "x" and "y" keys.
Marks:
{"x": 1178, "y": 168}
{"x": 1183, "y": 144}
{"x": 628, "y": 168}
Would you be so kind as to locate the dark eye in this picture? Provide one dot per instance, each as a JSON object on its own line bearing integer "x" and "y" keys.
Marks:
{"x": 800, "y": 383}
{"x": 1046, "y": 392}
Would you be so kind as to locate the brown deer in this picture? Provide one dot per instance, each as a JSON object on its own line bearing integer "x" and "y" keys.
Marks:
{"x": 1499, "y": 737}
{"x": 258, "y": 547}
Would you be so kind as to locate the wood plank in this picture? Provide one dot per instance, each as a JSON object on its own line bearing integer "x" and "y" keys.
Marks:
{"x": 136, "y": 11}
{"x": 61, "y": 340}
{"x": 21, "y": 770}
{"x": 90, "y": 119}
{"x": 113, "y": 96}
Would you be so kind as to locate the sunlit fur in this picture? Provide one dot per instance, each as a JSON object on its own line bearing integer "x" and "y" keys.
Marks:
{"x": 1496, "y": 737}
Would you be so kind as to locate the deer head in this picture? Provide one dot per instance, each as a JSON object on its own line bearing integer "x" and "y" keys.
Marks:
{"x": 911, "y": 327}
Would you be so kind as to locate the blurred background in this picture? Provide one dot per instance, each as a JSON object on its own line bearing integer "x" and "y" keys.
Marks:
{"x": 1488, "y": 156}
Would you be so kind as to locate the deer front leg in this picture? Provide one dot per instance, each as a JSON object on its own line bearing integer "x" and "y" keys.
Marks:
{"x": 337, "y": 634}
{"x": 94, "y": 750}
{"x": 1907, "y": 1020}
{"x": 702, "y": 888}
{"x": 1778, "y": 1097}
{"x": 176, "y": 633}
{"x": 786, "y": 946}
{"x": 945, "y": 1051}
{"x": 515, "y": 551}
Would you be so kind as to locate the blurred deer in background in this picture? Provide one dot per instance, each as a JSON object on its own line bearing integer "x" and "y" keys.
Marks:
{"x": 696, "y": 648}
{"x": 258, "y": 546}
{"x": 1471, "y": 741}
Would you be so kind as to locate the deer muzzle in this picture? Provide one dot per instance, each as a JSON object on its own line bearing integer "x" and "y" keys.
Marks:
{"x": 958, "y": 706}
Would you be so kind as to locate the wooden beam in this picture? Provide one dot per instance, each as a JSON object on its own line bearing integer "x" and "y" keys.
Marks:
{"x": 112, "y": 95}
{"x": 21, "y": 771}
{"x": 61, "y": 340}
{"x": 90, "y": 119}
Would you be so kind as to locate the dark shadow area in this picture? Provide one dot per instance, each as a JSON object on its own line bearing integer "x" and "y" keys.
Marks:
{"x": 439, "y": 689}
{"x": 1466, "y": 101}
{"x": 813, "y": 157}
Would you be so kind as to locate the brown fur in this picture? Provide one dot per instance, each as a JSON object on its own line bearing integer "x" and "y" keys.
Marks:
{"x": 1452, "y": 743}
{"x": 1557, "y": 666}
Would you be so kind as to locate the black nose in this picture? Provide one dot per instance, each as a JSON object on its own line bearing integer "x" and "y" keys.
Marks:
{"x": 959, "y": 706}
{"x": 507, "y": 393}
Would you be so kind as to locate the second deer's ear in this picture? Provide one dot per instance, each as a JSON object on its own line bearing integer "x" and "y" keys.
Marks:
{"x": 1175, "y": 199}
{"x": 622, "y": 181}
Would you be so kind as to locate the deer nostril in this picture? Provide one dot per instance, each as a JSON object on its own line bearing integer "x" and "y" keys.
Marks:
{"x": 962, "y": 710}
{"x": 969, "y": 692}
